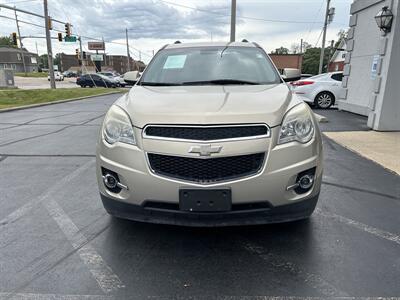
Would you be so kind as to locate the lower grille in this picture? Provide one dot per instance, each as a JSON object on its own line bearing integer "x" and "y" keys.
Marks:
{"x": 206, "y": 171}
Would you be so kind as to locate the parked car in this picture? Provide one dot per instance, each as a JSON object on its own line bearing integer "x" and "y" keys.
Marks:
{"x": 69, "y": 74}
{"x": 116, "y": 77}
{"x": 57, "y": 76}
{"x": 210, "y": 135}
{"x": 97, "y": 80}
{"x": 131, "y": 77}
{"x": 321, "y": 90}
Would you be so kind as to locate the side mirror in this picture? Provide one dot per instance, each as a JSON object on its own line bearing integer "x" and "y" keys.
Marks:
{"x": 289, "y": 75}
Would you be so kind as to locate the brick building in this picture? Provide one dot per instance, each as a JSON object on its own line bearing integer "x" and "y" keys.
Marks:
{"x": 337, "y": 61}
{"x": 117, "y": 63}
{"x": 292, "y": 61}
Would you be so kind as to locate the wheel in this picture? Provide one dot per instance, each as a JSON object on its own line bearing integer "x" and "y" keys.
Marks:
{"x": 83, "y": 86}
{"x": 324, "y": 100}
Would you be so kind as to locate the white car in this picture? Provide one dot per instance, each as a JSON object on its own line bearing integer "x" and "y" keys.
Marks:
{"x": 321, "y": 90}
{"x": 118, "y": 78}
{"x": 57, "y": 76}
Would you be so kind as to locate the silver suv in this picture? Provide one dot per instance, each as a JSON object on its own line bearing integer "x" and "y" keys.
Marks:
{"x": 210, "y": 136}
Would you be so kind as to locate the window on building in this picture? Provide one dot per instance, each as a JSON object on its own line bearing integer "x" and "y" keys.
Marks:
{"x": 19, "y": 56}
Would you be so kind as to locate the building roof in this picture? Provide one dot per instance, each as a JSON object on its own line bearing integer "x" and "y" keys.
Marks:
{"x": 342, "y": 45}
{"x": 17, "y": 50}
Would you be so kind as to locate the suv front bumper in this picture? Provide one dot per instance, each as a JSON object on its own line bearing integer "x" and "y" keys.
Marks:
{"x": 169, "y": 215}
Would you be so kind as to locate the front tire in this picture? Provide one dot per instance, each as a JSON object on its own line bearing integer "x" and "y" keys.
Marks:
{"x": 324, "y": 100}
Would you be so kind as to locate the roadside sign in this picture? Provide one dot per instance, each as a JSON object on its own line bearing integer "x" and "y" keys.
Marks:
{"x": 71, "y": 39}
{"x": 96, "y": 57}
{"x": 96, "y": 46}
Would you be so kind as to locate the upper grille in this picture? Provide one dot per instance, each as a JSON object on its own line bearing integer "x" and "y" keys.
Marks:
{"x": 206, "y": 170}
{"x": 206, "y": 133}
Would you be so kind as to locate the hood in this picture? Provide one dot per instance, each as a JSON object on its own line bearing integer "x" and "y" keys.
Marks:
{"x": 197, "y": 105}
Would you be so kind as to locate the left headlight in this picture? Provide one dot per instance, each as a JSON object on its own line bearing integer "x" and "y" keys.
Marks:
{"x": 117, "y": 127}
{"x": 297, "y": 125}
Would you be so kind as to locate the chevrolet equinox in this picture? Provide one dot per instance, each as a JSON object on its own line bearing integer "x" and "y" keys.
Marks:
{"x": 210, "y": 135}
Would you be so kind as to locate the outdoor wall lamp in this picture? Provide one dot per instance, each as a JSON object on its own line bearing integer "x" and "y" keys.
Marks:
{"x": 384, "y": 19}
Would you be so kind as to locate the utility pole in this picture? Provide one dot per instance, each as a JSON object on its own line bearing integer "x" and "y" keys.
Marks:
{"x": 321, "y": 59}
{"x": 49, "y": 51}
{"x": 20, "y": 41}
{"x": 80, "y": 49}
{"x": 127, "y": 50}
{"x": 301, "y": 46}
{"x": 233, "y": 21}
{"x": 37, "y": 53}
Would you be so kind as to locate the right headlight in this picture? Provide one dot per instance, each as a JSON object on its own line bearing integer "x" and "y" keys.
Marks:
{"x": 117, "y": 127}
{"x": 297, "y": 125}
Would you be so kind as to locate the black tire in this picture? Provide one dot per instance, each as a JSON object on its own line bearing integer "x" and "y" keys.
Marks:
{"x": 324, "y": 100}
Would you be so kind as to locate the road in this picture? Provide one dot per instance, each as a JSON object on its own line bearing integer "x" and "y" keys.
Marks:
{"x": 57, "y": 242}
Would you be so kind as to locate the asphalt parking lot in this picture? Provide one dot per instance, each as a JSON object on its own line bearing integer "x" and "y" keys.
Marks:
{"x": 42, "y": 83}
{"x": 57, "y": 242}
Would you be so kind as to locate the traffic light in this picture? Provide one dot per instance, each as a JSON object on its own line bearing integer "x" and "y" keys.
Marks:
{"x": 60, "y": 38}
{"x": 68, "y": 29}
{"x": 50, "y": 23}
{"x": 77, "y": 53}
{"x": 83, "y": 55}
{"x": 14, "y": 39}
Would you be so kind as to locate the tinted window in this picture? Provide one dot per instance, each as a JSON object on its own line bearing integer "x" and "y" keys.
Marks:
{"x": 191, "y": 65}
{"x": 337, "y": 77}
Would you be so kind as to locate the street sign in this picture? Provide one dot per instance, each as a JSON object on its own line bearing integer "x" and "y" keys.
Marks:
{"x": 96, "y": 46}
{"x": 71, "y": 39}
{"x": 96, "y": 57}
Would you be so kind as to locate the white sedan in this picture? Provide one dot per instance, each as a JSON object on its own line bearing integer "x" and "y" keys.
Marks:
{"x": 321, "y": 90}
{"x": 57, "y": 76}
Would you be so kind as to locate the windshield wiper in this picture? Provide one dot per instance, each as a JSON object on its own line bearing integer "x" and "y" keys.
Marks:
{"x": 220, "y": 81}
{"x": 159, "y": 83}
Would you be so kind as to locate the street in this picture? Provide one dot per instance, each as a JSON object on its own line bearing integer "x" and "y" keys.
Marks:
{"x": 57, "y": 242}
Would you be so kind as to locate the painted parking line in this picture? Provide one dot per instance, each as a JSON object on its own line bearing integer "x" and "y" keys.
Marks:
{"x": 104, "y": 275}
{"x": 279, "y": 262}
{"x": 15, "y": 215}
{"x": 372, "y": 230}
{"x": 30, "y": 296}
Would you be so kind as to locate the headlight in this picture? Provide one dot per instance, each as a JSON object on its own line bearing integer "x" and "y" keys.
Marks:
{"x": 117, "y": 127}
{"x": 297, "y": 125}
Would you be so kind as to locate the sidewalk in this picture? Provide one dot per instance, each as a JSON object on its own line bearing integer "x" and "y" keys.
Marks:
{"x": 380, "y": 147}
{"x": 351, "y": 131}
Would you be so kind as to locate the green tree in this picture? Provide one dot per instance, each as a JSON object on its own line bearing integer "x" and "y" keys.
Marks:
{"x": 6, "y": 41}
{"x": 311, "y": 60}
{"x": 281, "y": 50}
{"x": 43, "y": 61}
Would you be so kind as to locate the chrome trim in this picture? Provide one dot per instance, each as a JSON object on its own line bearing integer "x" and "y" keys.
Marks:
{"x": 214, "y": 184}
{"x": 145, "y": 136}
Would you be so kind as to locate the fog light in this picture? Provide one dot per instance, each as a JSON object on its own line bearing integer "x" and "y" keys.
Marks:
{"x": 110, "y": 181}
{"x": 306, "y": 181}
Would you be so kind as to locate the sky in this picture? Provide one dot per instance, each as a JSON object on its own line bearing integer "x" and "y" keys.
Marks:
{"x": 154, "y": 23}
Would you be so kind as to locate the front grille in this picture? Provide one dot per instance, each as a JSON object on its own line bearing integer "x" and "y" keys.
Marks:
{"x": 206, "y": 171}
{"x": 206, "y": 133}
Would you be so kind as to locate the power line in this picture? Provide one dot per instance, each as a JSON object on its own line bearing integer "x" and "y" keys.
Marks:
{"x": 241, "y": 17}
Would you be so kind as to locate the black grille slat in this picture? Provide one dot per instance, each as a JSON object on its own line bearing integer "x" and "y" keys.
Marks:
{"x": 206, "y": 170}
{"x": 206, "y": 133}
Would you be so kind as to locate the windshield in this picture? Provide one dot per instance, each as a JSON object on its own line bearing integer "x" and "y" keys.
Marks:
{"x": 210, "y": 65}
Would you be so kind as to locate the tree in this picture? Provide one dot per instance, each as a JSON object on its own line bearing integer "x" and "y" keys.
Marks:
{"x": 43, "y": 61}
{"x": 342, "y": 35}
{"x": 281, "y": 50}
{"x": 6, "y": 41}
{"x": 311, "y": 60}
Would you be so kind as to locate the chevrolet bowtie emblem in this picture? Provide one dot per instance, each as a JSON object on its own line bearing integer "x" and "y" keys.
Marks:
{"x": 205, "y": 150}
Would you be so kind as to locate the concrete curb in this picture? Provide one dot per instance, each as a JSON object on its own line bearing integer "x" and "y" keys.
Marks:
{"x": 56, "y": 102}
{"x": 321, "y": 119}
